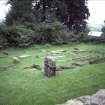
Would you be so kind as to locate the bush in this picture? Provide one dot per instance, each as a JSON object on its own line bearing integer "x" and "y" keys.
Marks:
{"x": 28, "y": 34}
{"x": 50, "y": 33}
{"x": 18, "y": 36}
{"x": 81, "y": 35}
{"x": 103, "y": 31}
{"x": 3, "y": 40}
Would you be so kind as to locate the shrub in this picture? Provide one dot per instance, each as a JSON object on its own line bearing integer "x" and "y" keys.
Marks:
{"x": 50, "y": 33}
{"x": 3, "y": 40}
{"x": 18, "y": 36}
{"x": 28, "y": 34}
{"x": 103, "y": 31}
{"x": 78, "y": 37}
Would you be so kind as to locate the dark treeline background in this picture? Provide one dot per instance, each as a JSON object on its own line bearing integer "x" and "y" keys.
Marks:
{"x": 44, "y": 21}
{"x": 71, "y": 12}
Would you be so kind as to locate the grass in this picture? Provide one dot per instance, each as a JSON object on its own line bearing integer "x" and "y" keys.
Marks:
{"x": 20, "y": 86}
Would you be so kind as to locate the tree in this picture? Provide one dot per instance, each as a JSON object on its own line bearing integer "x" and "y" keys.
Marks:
{"x": 49, "y": 9}
{"x": 103, "y": 30}
{"x": 77, "y": 13}
{"x": 73, "y": 13}
{"x": 21, "y": 11}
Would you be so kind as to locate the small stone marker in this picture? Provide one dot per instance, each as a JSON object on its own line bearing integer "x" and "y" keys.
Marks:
{"x": 49, "y": 67}
{"x": 16, "y": 60}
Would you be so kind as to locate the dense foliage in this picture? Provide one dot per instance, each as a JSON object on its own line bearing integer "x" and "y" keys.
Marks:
{"x": 3, "y": 39}
{"x": 51, "y": 33}
{"x": 18, "y": 36}
{"x": 103, "y": 30}
{"x": 71, "y": 12}
{"x": 44, "y": 21}
{"x": 41, "y": 33}
{"x": 20, "y": 12}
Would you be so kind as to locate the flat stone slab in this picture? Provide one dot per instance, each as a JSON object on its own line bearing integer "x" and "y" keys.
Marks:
{"x": 56, "y": 54}
{"x": 24, "y": 56}
{"x": 58, "y": 51}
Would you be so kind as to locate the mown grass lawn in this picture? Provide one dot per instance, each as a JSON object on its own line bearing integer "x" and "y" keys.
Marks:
{"x": 19, "y": 86}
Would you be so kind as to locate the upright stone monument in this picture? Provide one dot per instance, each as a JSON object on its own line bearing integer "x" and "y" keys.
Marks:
{"x": 49, "y": 67}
